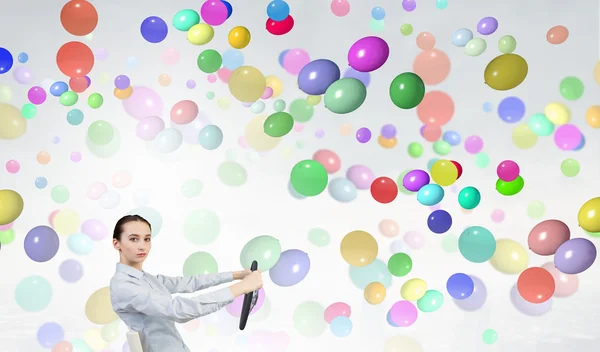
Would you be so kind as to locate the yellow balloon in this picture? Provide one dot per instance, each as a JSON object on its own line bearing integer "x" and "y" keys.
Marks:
{"x": 104, "y": 78}
{"x": 12, "y": 124}
{"x": 98, "y": 308}
{"x": 523, "y": 137}
{"x": 239, "y": 37}
{"x": 413, "y": 289}
{"x": 223, "y": 103}
{"x": 558, "y": 113}
{"x": 66, "y": 222}
{"x": 589, "y": 215}
{"x": 200, "y": 34}
{"x": 375, "y": 293}
{"x": 93, "y": 338}
{"x": 247, "y": 84}
{"x": 505, "y": 72}
{"x": 110, "y": 332}
{"x": 313, "y": 100}
{"x": 11, "y": 206}
{"x": 401, "y": 343}
{"x": 256, "y": 138}
{"x": 597, "y": 72}
{"x": 444, "y": 172}
{"x": 6, "y": 94}
{"x": 359, "y": 248}
{"x": 510, "y": 257}
{"x": 275, "y": 84}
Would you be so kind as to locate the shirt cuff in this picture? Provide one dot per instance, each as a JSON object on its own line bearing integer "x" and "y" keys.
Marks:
{"x": 224, "y": 295}
{"x": 226, "y": 277}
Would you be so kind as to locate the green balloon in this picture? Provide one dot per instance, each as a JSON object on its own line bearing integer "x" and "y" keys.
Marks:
{"x": 191, "y": 188}
{"x": 33, "y": 293}
{"x": 210, "y": 95}
{"x": 278, "y": 124}
{"x": 200, "y": 263}
{"x": 489, "y": 336}
{"x": 266, "y": 250}
{"x": 406, "y": 29}
{"x": 308, "y": 319}
{"x": 536, "y": 209}
{"x": 300, "y": 110}
{"x": 345, "y": 95}
{"x": 79, "y": 345}
{"x": 431, "y": 301}
{"x": 60, "y": 194}
{"x": 95, "y": 100}
{"x": 507, "y": 44}
{"x": 482, "y": 160}
{"x": 400, "y": 264}
{"x": 377, "y": 25}
{"x": 7, "y": 236}
{"x": 28, "y": 111}
{"x": 469, "y": 198}
{"x": 510, "y": 188}
{"x": 415, "y": 150}
{"x": 232, "y": 173}
{"x": 400, "y": 184}
{"x": 185, "y": 19}
{"x": 571, "y": 88}
{"x": 279, "y": 105}
{"x": 209, "y": 61}
{"x": 309, "y": 178}
{"x": 441, "y": 147}
{"x": 319, "y": 237}
{"x": 407, "y": 90}
{"x": 69, "y": 98}
{"x": 101, "y": 132}
{"x": 593, "y": 234}
{"x": 570, "y": 167}
{"x": 202, "y": 227}
{"x": 450, "y": 243}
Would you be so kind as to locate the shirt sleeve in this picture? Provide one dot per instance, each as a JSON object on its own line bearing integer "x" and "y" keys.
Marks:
{"x": 189, "y": 284}
{"x": 129, "y": 296}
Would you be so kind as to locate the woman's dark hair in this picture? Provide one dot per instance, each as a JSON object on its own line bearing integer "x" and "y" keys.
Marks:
{"x": 124, "y": 220}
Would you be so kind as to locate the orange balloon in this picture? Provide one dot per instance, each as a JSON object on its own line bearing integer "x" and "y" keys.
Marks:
{"x": 425, "y": 41}
{"x": 78, "y": 84}
{"x": 387, "y": 143}
{"x": 123, "y": 93}
{"x": 536, "y": 285}
{"x": 375, "y": 292}
{"x": 79, "y": 17}
{"x": 436, "y": 108}
{"x": 75, "y": 59}
{"x": 432, "y": 133}
{"x": 433, "y": 66}
{"x": 557, "y": 35}
{"x": 43, "y": 158}
{"x": 592, "y": 116}
{"x": 63, "y": 346}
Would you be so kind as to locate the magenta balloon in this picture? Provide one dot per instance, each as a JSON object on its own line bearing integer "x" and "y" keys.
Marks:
{"x": 368, "y": 54}
{"x": 404, "y": 313}
{"x": 235, "y": 308}
{"x": 143, "y": 102}
{"x": 415, "y": 179}
{"x": 361, "y": 176}
{"x": 149, "y": 127}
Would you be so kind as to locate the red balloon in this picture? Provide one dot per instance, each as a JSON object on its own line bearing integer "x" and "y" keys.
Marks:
{"x": 79, "y": 84}
{"x": 281, "y": 27}
{"x": 75, "y": 59}
{"x": 79, "y": 17}
{"x": 384, "y": 190}
{"x": 536, "y": 285}
{"x": 458, "y": 167}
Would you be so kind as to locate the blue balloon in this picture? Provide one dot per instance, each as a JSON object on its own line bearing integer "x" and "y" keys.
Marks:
{"x": 278, "y": 10}
{"x": 460, "y": 286}
{"x": 50, "y": 334}
{"x": 488, "y": 107}
{"x": 23, "y": 58}
{"x": 282, "y": 56}
{"x": 581, "y": 144}
{"x": 291, "y": 268}
{"x": 430, "y": 194}
{"x": 70, "y": 270}
{"x": 477, "y": 244}
{"x": 364, "y": 77}
{"x": 80, "y": 243}
{"x": 341, "y": 326}
{"x": 439, "y": 221}
{"x": 154, "y": 29}
{"x": 461, "y": 37}
{"x": 316, "y": 76}
{"x": 293, "y": 191}
{"x": 41, "y": 243}
{"x": 229, "y": 8}
{"x": 58, "y": 88}
{"x": 389, "y": 319}
{"x": 6, "y": 61}
{"x": 232, "y": 59}
{"x": 75, "y": 117}
{"x": 378, "y": 13}
{"x": 41, "y": 182}
{"x": 511, "y": 109}
{"x": 342, "y": 190}
{"x": 211, "y": 137}
{"x": 452, "y": 138}
{"x": 377, "y": 271}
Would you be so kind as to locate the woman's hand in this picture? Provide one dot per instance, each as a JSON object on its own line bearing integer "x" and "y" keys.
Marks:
{"x": 240, "y": 275}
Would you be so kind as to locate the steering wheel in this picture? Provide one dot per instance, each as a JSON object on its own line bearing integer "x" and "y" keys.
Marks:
{"x": 249, "y": 301}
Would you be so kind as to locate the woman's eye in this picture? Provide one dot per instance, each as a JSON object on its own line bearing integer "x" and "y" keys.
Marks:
{"x": 147, "y": 240}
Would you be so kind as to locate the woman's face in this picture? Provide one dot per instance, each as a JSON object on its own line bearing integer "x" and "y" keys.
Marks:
{"x": 135, "y": 241}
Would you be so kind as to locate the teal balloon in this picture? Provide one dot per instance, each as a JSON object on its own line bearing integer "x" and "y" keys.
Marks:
{"x": 266, "y": 250}
{"x": 80, "y": 243}
{"x": 202, "y": 227}
{"x": 80, "y": 345}
{"x": 308, "y": 319}
{"x": 279, "y": 105}
{"x": 345, "y": 95}
{"x": 431, "y": 301}
{"x": 152, "y": 216}
{"x": 185, "y": 19}
{"x": 430, "y": 194}
{"x": 211, "y": 137}
{"x": 477, "y": 244}
{"x": 469, "y": 198}
{"x": 541, "y": 125}
{"x": 33, "y": 293}
{"x": 377, "y": 271}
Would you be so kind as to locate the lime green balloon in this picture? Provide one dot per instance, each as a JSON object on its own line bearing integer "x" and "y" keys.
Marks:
{"x": 450, "y": 243}
{"x": 308, "y": 319}
{"x": 60, "y": 194}
{"x": 431, "y": 301}
{"x": 7, "y": 236}
{"x": 101, "y": 132}
{"x": 319, "y": 237}
{"x": 593, "y": 234}
{"x": 541, "y": 125}
{"x": 185, "y": 19}
{"x": 441, "y": 147}
{"x": 28, "y": 111}
{"x": 192, "y": 188}
{"x": 536, "y": 209}
{"x": 300, "y": 110}
{"x": 475, "y": 47}
{"x": 571, "y": 88}
{"x": 309, "y": 178}
{"x": 278, "y": 124}
{"x": 279, "y": 105}
{"x": 377, "y": 25}
{"x": 415, "y": 150}
{"x": 482, "y": 160}
{"x": 69, "y": 98}
{"x": 95, "y": 100}
{"x": 400, "y": 264}
{"x": 510, "y": 188}
{"x": 400, "y": 183}
{"x": 570, "y": 167}
{"x": 489, "y": 336}
{"x": 266, "y": 250}
{"x": 507, "y": 44}
{"x": 407, "y": 90}
{"x": 33, "y": 293}
{"x": 469, "y": 198}
{"x": 210, "y": 95}
{"x": 345, "y": 95}
{"x": 313, "y": 100}
{"x": 202, "y": 227}
{"x": 232, "y": 173}
{"x": 200, "y": 263}
{"x": 209, "y": 61}
{"x": 406, "y": 29}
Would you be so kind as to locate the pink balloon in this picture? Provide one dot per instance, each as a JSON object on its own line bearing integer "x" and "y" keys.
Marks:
{"x": 212, "y": 78}
{"x": 473, "y": 144}
{"x": 335, "y": 310}
{"x": 389, "y": 228}
{"x": 508, "y": 170}
{"x": 143, "y": 102}
{"x": 404, "y": 313}
{"x": 268, "y": 93}
{"x": 184, "y": 112}
{"x": 235, "y": 308}
{"x": 96, "y": 190}
{"x": 51, "y": 217}
{"x": 432, "y": 133}
{"x": 170, "y": 56}
{"x": 298, "y": 127}
{"x": 242, "y": 142}
{"x": 497, "y": 215}
{"x": 295, "y": 60}
{"x": 149, "y": 127}
{"x": 224, "y": 74}
{"x": 425, "y": 41}
{"x": 433, "y": 66}
{"x": 545, "y": 237}
{"x": 214, "y": 12}
{"x": 414, "y": 239}
{"x": 6, "y": 226}
{"x": 340, "y": 8}
{"x": 436, "y": 109}
{"x": 329, "y": 159}
{"x": 564, "y": 284}
{"x": 268, "y": 341}
{"x": 567, "y": 137}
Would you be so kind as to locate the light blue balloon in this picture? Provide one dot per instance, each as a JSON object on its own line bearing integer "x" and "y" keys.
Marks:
{"x": 378, "y": 13}
{"x": 441, "y": 4}
{"x": 581, "y": 144}
{"x": 342, "y": 190}
{"x": 282, "y": 56}
{"x": 293, "y": 191}
{"x": 461, "y": 37}
{"x": 431, "y": 162}
{"x": 23, "y": 58}
{"x": 488, "y": 107}
{"x": 75, "y": 117}
{"x": 33, "y": 293}
{"x": 232, "y": 59}
{"x": 41, "y": 182}
{"x": 430, "y": 194}
{"x": 211, "y": 137}
{"x": 152, "y": 216}
{"x": 257, "y": 107}
{"x": 477, "y": 244}
{"x": 80, "y": 243}
{"x": 399, "y": 246}
{"x": 377, "y": 271}
{"x": 341, "y": 326}
{"x": 541, "y": 125}
{"x": 80, "y": 345}
{"x": 452, "y": 138}
{"x": 390, "y": 321}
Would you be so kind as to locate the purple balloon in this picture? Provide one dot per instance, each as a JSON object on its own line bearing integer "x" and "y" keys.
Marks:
{"x": 122, "y": 82}
{"x": 487, "y": 25}
{"x": 291, "y": 268}
{"x": 23, "y": 75}
{"x": 50, "y": 334}
{"x": 143, "y": 102}
{"x": 476, "y": 300}
{"x": 415, "y": 179}
{"x": 363, "y": 135}
{"x": 528, "y": 308}
{"x": 149, "y": 127}
{"x": 70, "y": 270}
{"x": 388, "y": 131}
{"x": 41, "y": 243}
{"x": 575, "y": 256}
{"x": 361, "y": 176}
{"x": 368, "y": 54}
{"x": 409, "y": 5}
{"x": 364, "y": 77}
{"x": 316, "y": 76}
{"x": 95, "y": 229}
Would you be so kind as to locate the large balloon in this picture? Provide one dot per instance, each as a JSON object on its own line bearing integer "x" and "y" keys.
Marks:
{"x": 11, "y": 206}
{"x": 510, "y": 257}
{"x": 308, "y": 319}
{"x": 143, "y": 102}
{"x": 266, "y": 250}
{"x": 315, "y": 77}
{"x": 359, "y": 248}
{"x": 79, "y": 17}
{"x": 345, "y": 95}
{"x": 247, "y": 84}
{"x": 291, "y": 268}
{"x": 536, "y": 285}
{"x": 477, "y": 244}
{"x": 528, "y": 308}
{"x": 545, "y": 237}
{"x": 309, "y": 178}
{"x": 41, "y": 243}
{"x": 12, "y": 124}
{"x": 278, "y": 124}
{"x": 566, "y": 284}
{"x": 75, "y": 59}
{"x": 407, "y": 90}
{"x": 368, "y": 54}
{"x": 505, "y": 72}
{"x": 98, "y": 308}
{"x": 575, "y": 256}
{"x": 589, "y": 215}
{"x": 477, "y": 298}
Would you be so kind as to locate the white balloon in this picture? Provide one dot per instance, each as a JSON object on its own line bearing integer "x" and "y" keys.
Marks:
{"x": 110, "y": 200}
{"x": 168, "y": 140}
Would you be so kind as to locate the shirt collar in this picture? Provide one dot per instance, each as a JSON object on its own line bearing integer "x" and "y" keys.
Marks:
{"x": 129, "y": 270}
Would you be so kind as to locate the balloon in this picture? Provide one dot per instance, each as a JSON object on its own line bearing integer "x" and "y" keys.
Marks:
{"x": 557, "y": 35}
{"x": 149, "y": 127}
{"x": 433, "y": 66}
{"x": 377, "y": 271}
{"x": 359, "y": 248}
{"x": 589, "y": 215}
{"x": 340, "y": 326}
{"x": 33, "y": 293}
{"x": 154, "y": 29}
{"x": 400, "y": 264}
{"x": 510, "y": 257}
{"x": 460, "y": 286}
{"x": 425, "y": 41}
{"x": 200, "y": 263}
{"x": 308, "y": 319}
{"x": 413, "y": 289}
{"x": 278, "y": 10}
{"x": 153, "y": 217}
{"x": 414, "y": 180}
{"x": 211, "y": 137}
{"x": 49, "y": 334}
{"x": 536, "y": 285}
{"x": 185, "y": 19}
{"x": 505, "y": 72}
{"x": 403, "y": 343}
{"x": 384, "y": 190}
{"x": 477, "y": 244}
{"x": 264, "y": 249}
{"x": 233, "y": 59}
{"x": 214, "y": 12}
{"x": 592, "y": 116}
{"x": 101, "y": 132}
{"x": 201, "y": 227}
{"x": 439, "y": 221}
{"x": 566, "y": 285}
{"x": 461, "y": 37}
{"x": 547, "y": 236}
{"x": 571, "y": 88}
{"x": 247, "y": 84}
{"x": 511, "y": 109}
{"x": 431, "y": 301}
{"x": 79, "y": 17}
{"x": 414, "y": 239}
{"x": 281, "y": 27}
{"x": 329, "y": 159}
{"x": 309, "y": 178}
{"x": 475, "y": 47}
{"x": 444, "y": 172}
{"x": 143, "y": 102}
{"x": 389, "y": 228}
{"x": 430, "y": 194}
{"x": 528, "y": 308}
{"x": 94, "y": 229}
{"x": 375, "y": 293}
{"x": 235, "y": 308}
{"x": 469, "y": 198}
{"x": 278, "y": 124}
{"x": 477, "y": 299}
{"x": 340, "y": 8}
{"x": 361, "y": 176}
{"x": 317, "y": 76}
{"x": 184, "y": 112}
{"x": 407, "y": 90}
{"x": 368, "y": 54}
{"x": 291, "y": 268}
{"x": 487, "y": 25}
{"x": 80, "y": 243}
{"x": 6, "y": 60}
{"x": 41, "y": 243}
{"x": 75, "y": 59}
{"x": 345, "y": 95}
{"x": 575, "y": 256}
{"x": 209, "y": 61}
{"x": 11, "y": 206}
{"x": 301, "y": 111}
{"x": 404, "y": 313}
{"x": 507, "y": 44}
{"x": 508, "y": 170}
{"x": 200, "y": 34}
{"x": 334, "y": 310}
{"x": 342, "y": 190}
{"x": 98, "y": 308}
{"x": 510, "y": 188}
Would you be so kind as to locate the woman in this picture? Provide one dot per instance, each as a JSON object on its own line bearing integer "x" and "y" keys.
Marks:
{"x": 143, "y": 301}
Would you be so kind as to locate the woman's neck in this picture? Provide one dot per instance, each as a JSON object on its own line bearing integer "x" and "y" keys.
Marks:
{"x": 137, "y": 266}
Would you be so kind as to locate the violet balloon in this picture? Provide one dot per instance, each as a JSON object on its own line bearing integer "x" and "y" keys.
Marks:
{"x": 70, "y": 270}
{"x": 41, "y": 243}
{"x": 361, "y": 176}
{"x": 476, "y": 300}
{"x": 50, "y": 334}
{"x": 415, "y": 179}
{"x": 363, "y": 135}
{"x": 291, "y": 268}
{"x": 95, "y": 229}
{"x": 368, "y": 54}
{"x": 143, "y": 102}
{"x": 575, "y": 256}
{"x": 528, "y": 308}
{"x": 317, "y": 76}
{"x": 364, "y": 77}
{"x": 487, "y": 25}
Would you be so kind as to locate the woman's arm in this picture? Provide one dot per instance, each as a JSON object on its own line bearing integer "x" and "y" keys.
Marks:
{"x": 189, "y": 284}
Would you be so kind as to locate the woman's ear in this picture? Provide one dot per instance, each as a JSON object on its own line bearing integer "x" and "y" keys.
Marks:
{"x": 116, "y": 244}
